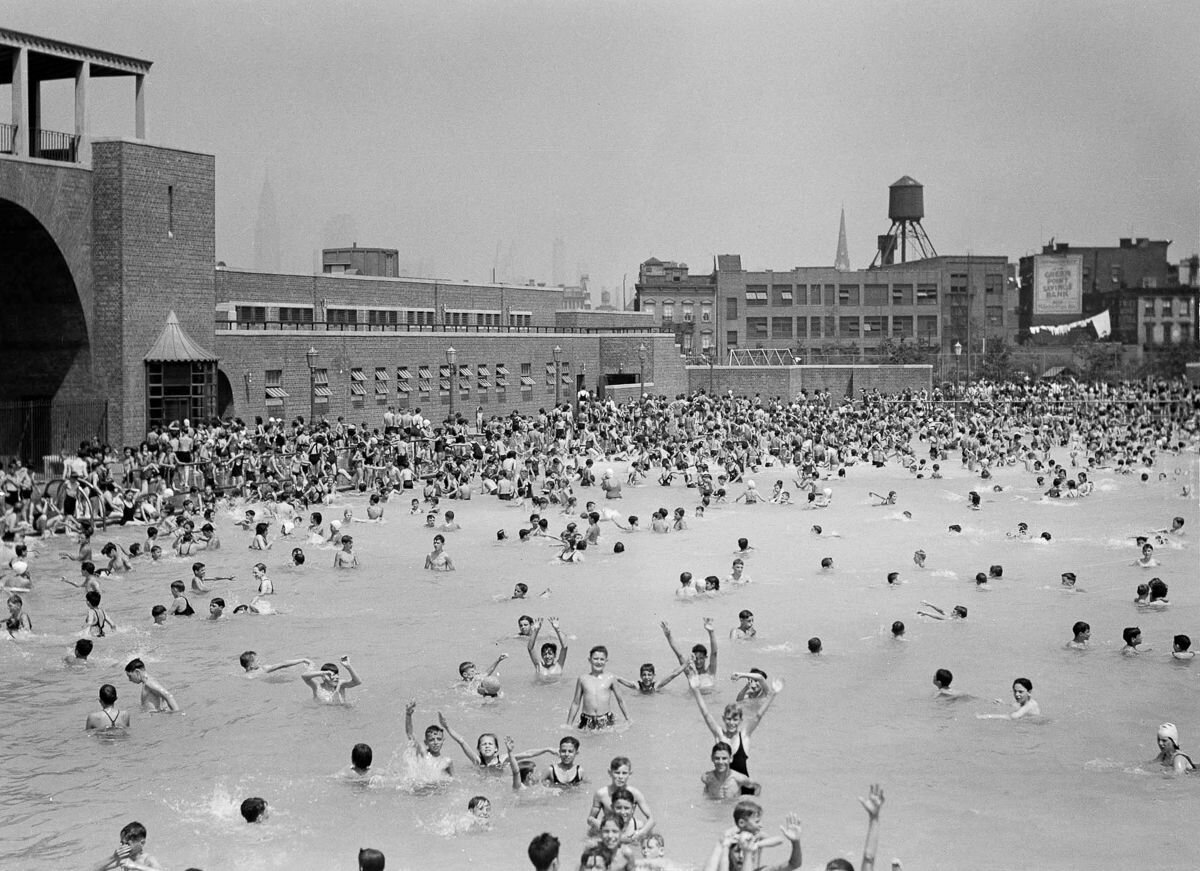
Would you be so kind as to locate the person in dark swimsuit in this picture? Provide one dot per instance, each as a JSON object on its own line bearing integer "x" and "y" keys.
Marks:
{"x": 566, "y": 771}
{"x": 737, "y": 724}
{"x": 17, "y": 620}
{"x": 96, "y": 619}
{"x": 108, "y": 717}
{"x": 180, "y": 606}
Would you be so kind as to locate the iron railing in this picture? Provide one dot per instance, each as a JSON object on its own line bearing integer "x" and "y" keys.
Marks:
{"x": 55, "y": 145}
{"x": 37, "y": 432}
{"x": 8, "y": 138}
{"x": 328, "y": 327}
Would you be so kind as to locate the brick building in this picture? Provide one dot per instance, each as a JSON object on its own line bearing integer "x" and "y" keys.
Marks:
{"x": 117, "y": 317}
{"x": 1135, "y": 282}
{"x": 818, "y": 311}
{"x": 381, "y": 262}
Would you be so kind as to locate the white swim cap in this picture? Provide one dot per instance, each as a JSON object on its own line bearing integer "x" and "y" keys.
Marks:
{"x": 750, "y": 483}
{"x": 1168, "y": 730}
{"x": 828, "y": 491}
{"x": 20, "y": 566}
{"x": 335, "y": 525}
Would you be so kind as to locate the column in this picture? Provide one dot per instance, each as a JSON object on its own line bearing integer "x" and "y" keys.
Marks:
{"x": 139, "y": 106}
{"x": 83, "y": 77}
{"x": 20, "y": 104}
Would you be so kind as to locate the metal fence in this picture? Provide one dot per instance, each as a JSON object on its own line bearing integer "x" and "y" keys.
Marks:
{"x": 332, "y": 327}
{"x": 37, "y": 432}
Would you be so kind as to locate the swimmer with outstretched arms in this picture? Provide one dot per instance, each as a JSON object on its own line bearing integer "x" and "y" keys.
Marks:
{"x": 705, "y": 659}
{"x": 327, "y": 685}
{"x": 1024, "y": 705}
{"x": 594, "y": 694}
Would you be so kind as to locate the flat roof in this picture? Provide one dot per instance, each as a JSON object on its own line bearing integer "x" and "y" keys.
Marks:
{"x": 51, "y": 59}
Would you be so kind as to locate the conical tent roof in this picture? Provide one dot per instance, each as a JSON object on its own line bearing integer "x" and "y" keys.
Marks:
{"x": 176, "y": 346}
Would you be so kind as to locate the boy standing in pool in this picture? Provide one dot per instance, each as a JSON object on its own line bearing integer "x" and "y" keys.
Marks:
{"x": 594, "y": 693}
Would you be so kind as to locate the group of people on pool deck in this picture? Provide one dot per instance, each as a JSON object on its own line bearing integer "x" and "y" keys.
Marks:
{"x": 291, "y": 466}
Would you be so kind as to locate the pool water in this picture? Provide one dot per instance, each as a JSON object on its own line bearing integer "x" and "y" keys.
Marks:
{"x": 1071, "y": 790}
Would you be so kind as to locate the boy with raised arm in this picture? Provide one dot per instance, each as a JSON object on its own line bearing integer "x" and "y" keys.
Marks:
{"x": 429, "y": 752}
{"x": 552, "y": 657}
{"x": 647, "y": 682}
{"x": 737, "y": 723}
{"x": 705, "y": 659}
{"x": 327, "y": 685}
{"x": 594, "y": 693}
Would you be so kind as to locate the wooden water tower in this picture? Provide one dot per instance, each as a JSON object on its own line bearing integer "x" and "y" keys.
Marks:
{"x": 906, "y": 208}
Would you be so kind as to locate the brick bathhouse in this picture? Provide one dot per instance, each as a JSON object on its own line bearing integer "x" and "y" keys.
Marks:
{"x": 117, "y": 316}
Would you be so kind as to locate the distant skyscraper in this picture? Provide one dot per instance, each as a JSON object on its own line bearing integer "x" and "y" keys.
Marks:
{"x": 842, "y": 262}
{"x": 266, "y": 232}
{"x": 558, "y": 263}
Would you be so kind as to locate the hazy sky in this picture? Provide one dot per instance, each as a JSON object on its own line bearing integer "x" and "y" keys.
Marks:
{"x": 452, "y": 130}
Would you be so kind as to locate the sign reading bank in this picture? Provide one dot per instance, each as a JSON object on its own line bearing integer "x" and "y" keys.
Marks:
{"x": 1058, "y": 284}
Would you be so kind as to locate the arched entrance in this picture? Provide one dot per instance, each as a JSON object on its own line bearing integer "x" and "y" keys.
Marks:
{"x": 225, "y": 406}
{"x": 47, "y": 401}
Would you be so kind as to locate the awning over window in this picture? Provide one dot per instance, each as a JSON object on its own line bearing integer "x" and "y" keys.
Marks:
{"x": 501, "y": 370}
{"x": 381, "y": 375}
{"x": 526, "y": 381}
{"x": 357, "y": 389}
{"x": 425, "y": 372}
{"x": 276, "y": 393}
{"x": 357, "y": 375}
{"x": 403, "y": 387}
{"x": 321, "y": 390}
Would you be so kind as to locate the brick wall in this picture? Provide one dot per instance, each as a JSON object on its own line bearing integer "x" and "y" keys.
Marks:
{"x": 155, "y": 248}
{"x": 602, "y": 320}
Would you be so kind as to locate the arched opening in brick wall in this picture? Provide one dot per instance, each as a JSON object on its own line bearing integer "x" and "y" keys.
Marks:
{"x": 43, "y": 334}
{"x": 225, "y": 403}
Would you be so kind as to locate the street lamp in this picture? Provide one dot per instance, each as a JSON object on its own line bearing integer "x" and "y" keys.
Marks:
{"x": 557, "y": 373}
{"x": 642, "y": 349}
{"x": 451, "y": 357}
{"x": 311, "y": 355}
{"x": 957, "y": 355}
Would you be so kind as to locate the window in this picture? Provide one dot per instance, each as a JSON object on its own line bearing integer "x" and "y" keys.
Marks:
{"x": 341, "y": 315}
{"x": 927, "y": 294}
{"x": 381, "y": 384}
{"x": 731, "y": 338}
{"x": 383, "y": 317}
{"x": 687, "y": 343}
{"x": 419, "y": 317}
{"x": 668, "y": 310}
{"x": 170, "y": 211}
{"x": 801, "y": 328}
{"x": 801, "y": 294}
{"x": 993, "y": 284}
{"x": 874, "y": 326}
{"x": 875, "y": 294}
{"x": 781, "y": 328}
{"x": 272, "y": 383}
{"x": 483, "y": 377}
{"x": 1168, "y": 306}
{"x": 525, "y": 319}
{"x": 927, "y": 328}
{"x": 958, "y": 314}
{"x": 1114, "y": 274}
{"x": 830, "y": 295}
{"x": 902, "y": 327}
{"x": 849, "y": 326}
{"x": 830, "y": 326}
{"x": 251, "y": 314}
{"x": 731, "y": 308}
{"x": 501, "y": 377}
{"x": 782, "y": 294}
{"x": 648, "y": 307}
{"x": 958, "y": 283}
{"x": 847, "y": 294}
{"x": 321, "y": 391}
{"x": 902, "y": 294}
{"x": 1148, "y": 308}
{"x": 358, "y": 387}
{"x": 444, "y": 379}
{"x": 464, "y": 379}
{"x": 688, "y": 311}
{"x": 756, "y": 294}
{"x": 424, "y": 381}
{"x": 294, "y": 315}
{"x": 706, "y": 341}
{"x": 756, "y": 328}
{"x": 403, "y": 383}
{"x": 527, "y": 378}
{"x": 995, "y": 315}
{"x": 706, "y": 312}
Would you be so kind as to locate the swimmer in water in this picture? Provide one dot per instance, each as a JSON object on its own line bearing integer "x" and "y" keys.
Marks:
{"x": 155, "y": 697}
{"x": 1082, "y": 633}
{"x": 737, "y": 573}
{"x": 723, "y": 782}
{"x": 346, "y": 558}
{"x": 1132, "y": 635}
{"x": 486, "y": 685}
{"x": 942, "y": 679}
{"x": 249, "y": 662}
{"x": 430, "y": 750}
{"x": 647, "y": 683}
{"x": 703, "y": 658}
{"x": 594, "y": 693}
{"x": 552, "y": 657}
{"x": 438, "y": 560}
{"x": 109, "y": 716}
{"x": 1169, "y": 755}
{"x": 919, "y": 559}
{"x": 327, "y": 685}
{"x": 958, "y": 613}
{"x": 1181, "y": 649}
{"x": 18, "y": 620}
{"x": 1023, "y": 705}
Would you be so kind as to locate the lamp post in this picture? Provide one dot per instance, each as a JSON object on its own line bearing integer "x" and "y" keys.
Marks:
{"x": 451, "y": 358}
{"x": 557, "y": 352}
{"x": 642, "y": 349}
{"x": 311, "y": 355}
{"x": 957, "y": 355}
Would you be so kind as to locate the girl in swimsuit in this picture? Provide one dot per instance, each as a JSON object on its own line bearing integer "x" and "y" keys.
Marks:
{"x": 108, "y": 717}
{"x": 17, "y": 619}
{"x": 96, "y": 619}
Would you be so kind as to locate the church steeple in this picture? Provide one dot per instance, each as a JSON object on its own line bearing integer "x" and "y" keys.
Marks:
{"x": 842, "y": 262}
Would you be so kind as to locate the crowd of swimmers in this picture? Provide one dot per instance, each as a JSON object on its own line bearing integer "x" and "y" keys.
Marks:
{"x": 175, "y": 481}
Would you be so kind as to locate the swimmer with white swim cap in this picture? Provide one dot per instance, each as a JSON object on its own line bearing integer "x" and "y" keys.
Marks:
{"x": 1169, "y": 755}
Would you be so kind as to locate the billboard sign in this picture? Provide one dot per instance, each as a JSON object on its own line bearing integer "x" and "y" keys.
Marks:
{"x": 1058, "y": 284}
